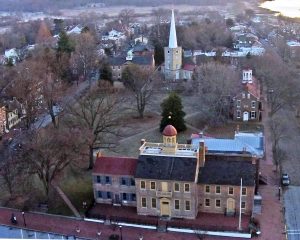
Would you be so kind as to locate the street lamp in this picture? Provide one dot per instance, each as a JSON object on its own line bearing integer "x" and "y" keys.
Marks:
{"x": 23, "y": 214}
{"x": 121, "y": 232}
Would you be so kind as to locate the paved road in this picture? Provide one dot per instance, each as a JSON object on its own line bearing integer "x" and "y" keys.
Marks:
{"x": 292, "y": 212}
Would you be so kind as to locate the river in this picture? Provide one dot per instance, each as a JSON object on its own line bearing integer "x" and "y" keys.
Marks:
{"x": 288, "y": 8}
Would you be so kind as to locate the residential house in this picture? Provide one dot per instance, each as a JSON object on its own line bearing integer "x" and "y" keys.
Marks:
{"x": 247, "y": 104}
{"x": 113, "y": 180}
{"x": 140, "y": 54}
{"x": 14, "y": 112}
{"x": 178, "y": 180}
{"x": 294, "y": 47}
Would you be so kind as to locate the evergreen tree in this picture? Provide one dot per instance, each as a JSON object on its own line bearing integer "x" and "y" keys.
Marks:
{"x": 172, "y": 113}
{"x": 64, "y": 43}
{"x": 106, "y": 72}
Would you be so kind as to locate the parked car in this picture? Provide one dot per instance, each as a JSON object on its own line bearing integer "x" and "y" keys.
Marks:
{"x": 285, "y": 179}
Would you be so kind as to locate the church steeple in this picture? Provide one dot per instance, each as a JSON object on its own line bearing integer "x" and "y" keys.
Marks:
{"x": 173, "y": 37}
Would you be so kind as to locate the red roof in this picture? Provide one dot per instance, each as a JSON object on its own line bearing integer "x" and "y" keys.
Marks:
{"x": 115, "y": 166}
{"x": 170, "y": 131}
{"x": 189, "y": 67}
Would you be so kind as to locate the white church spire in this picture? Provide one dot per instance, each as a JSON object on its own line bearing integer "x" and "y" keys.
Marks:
{"x": 173, "y": 37}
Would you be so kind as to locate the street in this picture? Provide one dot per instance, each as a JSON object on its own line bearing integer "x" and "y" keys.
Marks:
{"x": 292, "y": 212}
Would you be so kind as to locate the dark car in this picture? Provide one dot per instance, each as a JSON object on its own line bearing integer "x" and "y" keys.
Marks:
{"x": 285, "y": 179}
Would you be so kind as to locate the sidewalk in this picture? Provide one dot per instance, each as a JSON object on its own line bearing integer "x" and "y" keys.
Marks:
{"x": 79, "y": 228}
{"x": 271, "y": 219}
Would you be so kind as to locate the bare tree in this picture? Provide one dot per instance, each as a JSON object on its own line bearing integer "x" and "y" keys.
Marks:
{"x": 278, "y": 130}
{"x": 26, "y": 87}
{"x": 216, "y": 84}
{"x": 84, "y": 56}
{"x": 139, "y": 82}
{"x": 126, "y": 16}
{"x": 11, "y": 171}
{"x": 96, "y": 116}
{"x": 47, "y": 152}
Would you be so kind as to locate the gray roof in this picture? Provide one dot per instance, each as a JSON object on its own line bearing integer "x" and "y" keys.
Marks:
{"x": 139, "y": 60}
{"x": 227, "y": 172}
{"x": 253, "y": 143}
{"x": 166, "y": 168}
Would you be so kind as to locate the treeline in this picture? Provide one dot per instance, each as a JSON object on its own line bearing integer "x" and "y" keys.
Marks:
{"x": 54, "y": 5}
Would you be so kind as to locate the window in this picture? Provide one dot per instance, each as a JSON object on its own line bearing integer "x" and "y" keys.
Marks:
{"x": 238, "y": 103}
{"x": 218, "y": 203}
{"x": 177, "y": 51}
{"x": 107, "y": 180}
{"x": 98, "y": 179}
{"x": 152, "y": 185}
{"x": 218, "y": 189}
{"x": 253, "y": 103}
{"x": 143, "y": 202}
{"x": 124, "y": 196}
{"x": 243, "y": 205}
{"x": 176, "y": 187}
{"x": 168, "y": 51}
{"x": 207, "y": 189}
{"x": 253, "y": 114}
{"x": 119, "y": 67}
{"x": 230, "y": 190}
{"x": 143, "y": 185}
{"x": 207, "y": 202}
{"x": 187, "y": 187}
{"x": 187, "y": 205}
{"x": 100, "y": 194}
{"x": 238, "y": 114}
{"x": 176, "y": 204}
{"x": 133, "y": 197}
{"x": 244, "y": 191}
{"x": 243, "y": 95}
{"x": 153, "y": 202}
{"x": 132, "y": 182}
{"x": 123, "y": 181}
{"x": 248, "y": 96}
{"x": 113, "y": 67}
{"x": 108, "y": 195}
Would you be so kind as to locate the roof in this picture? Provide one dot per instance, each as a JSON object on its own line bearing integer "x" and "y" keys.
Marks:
{"x": 166, "y": 168}
{"x": 170, "y": 131}
{"x": 115, "y": 166}
{"x": 252, "y": 143}
{"x": 139, "y": 60}
{"x": 173, "y": 37}
{"x": 227, "y": 172}
{"x": 252, "y": 88}
{"x": 189, "y": 67}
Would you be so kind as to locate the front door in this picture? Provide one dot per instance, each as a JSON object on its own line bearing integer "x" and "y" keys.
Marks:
{"x": 245, "y": 116}
{"x": 230, "y": 205}
{"x": 165, "y": 208}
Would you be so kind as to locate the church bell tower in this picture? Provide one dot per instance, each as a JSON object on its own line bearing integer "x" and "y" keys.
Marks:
{"x": 173, "y": 54}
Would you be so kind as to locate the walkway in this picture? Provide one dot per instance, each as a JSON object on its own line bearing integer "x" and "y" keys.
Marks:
{"x": 271, "y": 219}
{"x": 67, "y": 201}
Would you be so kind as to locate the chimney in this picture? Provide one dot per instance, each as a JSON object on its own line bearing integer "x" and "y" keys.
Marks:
{"x": 202, "y": 150}
{"x": 143, "y": 141}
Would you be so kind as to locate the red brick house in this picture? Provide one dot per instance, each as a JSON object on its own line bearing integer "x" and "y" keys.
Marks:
{"x": 247, "y": 104}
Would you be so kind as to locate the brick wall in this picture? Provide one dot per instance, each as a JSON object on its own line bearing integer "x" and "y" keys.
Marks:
{"x": 181, "y": 195}
{"x": 223, "y": 196}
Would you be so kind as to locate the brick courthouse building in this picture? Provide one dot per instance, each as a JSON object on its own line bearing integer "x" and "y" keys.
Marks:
{"x": 176, "y": 180}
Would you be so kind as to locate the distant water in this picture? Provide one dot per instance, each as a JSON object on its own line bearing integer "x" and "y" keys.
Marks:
{"x": 288, "y": 8}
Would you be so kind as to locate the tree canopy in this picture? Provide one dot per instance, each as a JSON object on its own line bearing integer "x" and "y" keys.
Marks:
{"x": 172, "y": 113}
